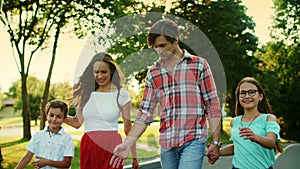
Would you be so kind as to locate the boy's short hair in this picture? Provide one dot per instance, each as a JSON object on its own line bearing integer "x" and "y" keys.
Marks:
{"x": 166, "y": 27}
{"x": 57, "y": 104}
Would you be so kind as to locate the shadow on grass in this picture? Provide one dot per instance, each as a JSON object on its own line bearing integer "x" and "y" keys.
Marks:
{"x": 13, "y": 143}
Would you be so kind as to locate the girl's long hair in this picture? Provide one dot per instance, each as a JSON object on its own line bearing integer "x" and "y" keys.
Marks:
{"x": 87, "y": 83}
{"x": 263, "y": 107}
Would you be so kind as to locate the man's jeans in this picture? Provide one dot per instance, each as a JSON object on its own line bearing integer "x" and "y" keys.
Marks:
{"x": 188, "y": 156}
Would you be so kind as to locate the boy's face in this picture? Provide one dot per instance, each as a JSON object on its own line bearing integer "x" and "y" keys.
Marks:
{"x": 55, "y": 118}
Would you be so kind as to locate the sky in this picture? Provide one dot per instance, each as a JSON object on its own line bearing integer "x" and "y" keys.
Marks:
{"x": 70, "y": 49}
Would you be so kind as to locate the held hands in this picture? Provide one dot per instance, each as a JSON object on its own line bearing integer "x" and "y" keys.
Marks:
{"x": 121, "y": 152}
{"x": 247, "y": 133}
{"x": 212, "y": 153}
{"x": 135, "y": 164}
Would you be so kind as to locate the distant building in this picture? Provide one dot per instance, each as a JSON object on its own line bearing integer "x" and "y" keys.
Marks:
{"x": 7, "y": 108}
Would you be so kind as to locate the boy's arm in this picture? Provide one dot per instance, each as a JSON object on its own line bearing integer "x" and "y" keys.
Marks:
{"x": 42, "y": 162}
{"x": 25, "y": 160}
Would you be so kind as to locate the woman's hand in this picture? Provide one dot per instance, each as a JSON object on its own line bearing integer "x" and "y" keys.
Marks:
{"x": 135, "y": 163}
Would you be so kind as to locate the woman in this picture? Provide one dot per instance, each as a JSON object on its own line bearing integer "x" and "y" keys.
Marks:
{"x": 101, "y": 98}
{"x": 254, "y": 130}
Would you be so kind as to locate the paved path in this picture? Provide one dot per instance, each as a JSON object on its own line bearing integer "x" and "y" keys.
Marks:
{"x": 290, "y": 159}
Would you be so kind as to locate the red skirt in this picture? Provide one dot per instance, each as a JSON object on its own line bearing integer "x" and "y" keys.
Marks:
{"x": 96, "y": 149}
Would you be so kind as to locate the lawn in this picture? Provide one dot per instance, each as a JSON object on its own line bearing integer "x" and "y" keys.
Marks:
{"x": 13, "y": 147}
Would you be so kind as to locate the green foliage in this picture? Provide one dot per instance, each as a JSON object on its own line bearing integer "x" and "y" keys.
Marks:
{"x": 1, "y": 97}
{"x": 281, "y": 67}
{"x": 230, "y": 30}
{"x": 59, "y": 91}
{"x": 287, "y": 21}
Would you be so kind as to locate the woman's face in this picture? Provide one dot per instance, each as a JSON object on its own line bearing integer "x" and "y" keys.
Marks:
{"x": 249, "y": 96}
{"x": 102, "y": 73}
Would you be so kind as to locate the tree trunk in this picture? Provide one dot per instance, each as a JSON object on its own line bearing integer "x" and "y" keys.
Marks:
{"x": 25, "y": 108}
{"x": 48, "y": 82}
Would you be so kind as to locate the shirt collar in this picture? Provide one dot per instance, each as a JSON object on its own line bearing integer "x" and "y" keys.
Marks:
{"x": 46, "y": 129}
{"x": 186, "y": 55}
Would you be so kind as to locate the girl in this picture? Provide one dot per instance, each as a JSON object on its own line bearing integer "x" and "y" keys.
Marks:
{"x": 254, "y": 130}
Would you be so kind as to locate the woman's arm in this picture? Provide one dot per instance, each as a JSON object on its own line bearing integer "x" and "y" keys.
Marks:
{"x": 127, "y": 127}
{"x": 42, "y": 162}
{"x": 75, "y": 121}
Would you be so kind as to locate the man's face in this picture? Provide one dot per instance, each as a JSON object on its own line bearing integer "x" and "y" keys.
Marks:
{"x": 165, "y": 49}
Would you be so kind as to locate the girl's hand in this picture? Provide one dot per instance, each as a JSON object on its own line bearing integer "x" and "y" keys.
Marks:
{"x": 247, "y": 133}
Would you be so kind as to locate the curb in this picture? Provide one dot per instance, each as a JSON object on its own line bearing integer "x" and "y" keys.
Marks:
{"x": 152, "y": 164}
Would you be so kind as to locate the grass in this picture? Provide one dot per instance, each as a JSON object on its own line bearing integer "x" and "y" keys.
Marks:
{"x": 13, "y": 147}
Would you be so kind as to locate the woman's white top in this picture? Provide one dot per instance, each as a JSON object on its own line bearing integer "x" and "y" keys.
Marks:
{"x": 101, "y": 112}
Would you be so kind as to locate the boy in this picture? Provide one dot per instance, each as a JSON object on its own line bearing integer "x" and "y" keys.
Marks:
{"x": 52, "y": 147}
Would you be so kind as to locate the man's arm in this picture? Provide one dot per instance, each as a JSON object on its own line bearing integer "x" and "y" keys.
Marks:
{"x": 215, "y": 128}
{"x": 213, "y": 150}
{"x": 121, "y": 151}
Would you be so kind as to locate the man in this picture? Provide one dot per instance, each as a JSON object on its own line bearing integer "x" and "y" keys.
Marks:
{"x": 184, "y": 87}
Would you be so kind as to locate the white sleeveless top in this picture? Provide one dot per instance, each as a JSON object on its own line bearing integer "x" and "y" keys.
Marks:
{"x": 101, "y": 112}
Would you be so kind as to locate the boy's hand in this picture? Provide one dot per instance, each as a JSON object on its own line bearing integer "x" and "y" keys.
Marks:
{"x": 39, "y": 162}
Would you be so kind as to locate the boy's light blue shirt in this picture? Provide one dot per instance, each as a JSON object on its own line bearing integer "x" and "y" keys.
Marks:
{"x": 53, "y": 146}
{"x": 248, "y": 154}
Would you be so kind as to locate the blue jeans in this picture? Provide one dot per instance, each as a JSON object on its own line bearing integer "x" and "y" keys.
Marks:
{"x": 188, "y": 156}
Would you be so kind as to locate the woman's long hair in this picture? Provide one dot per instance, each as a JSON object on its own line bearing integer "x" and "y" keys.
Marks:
{"x": 87, "y": 83}
{"x": 263, "y": 106}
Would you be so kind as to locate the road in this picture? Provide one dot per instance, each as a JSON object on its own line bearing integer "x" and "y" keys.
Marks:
{"x": 287, "y": 160}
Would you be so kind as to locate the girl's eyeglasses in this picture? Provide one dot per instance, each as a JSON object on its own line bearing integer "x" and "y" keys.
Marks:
{"x": 250, "y": 92}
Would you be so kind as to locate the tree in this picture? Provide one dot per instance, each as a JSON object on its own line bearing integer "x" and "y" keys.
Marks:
{"x": 36, "y": 19}
{"x": 281, "y": 66}
{"x": 230, "y": 30}
{"x": 29, "y": 24}
{"x": 57, "y": 91}
{"x": 35, "y": 87}
{"x": 61, "y": 18}
{"x": 1, "y": 97}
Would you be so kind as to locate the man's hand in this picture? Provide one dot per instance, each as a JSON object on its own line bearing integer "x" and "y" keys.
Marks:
{"x": 212, "y": 153}
{"x": 121, "y": 152}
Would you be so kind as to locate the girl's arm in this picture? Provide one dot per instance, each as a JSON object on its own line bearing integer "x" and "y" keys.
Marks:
{"x": 42, "y": 162}
{"x": 268, "y": 141}
{"x": 127, "y": 127}
{"x": 25, "y": 160}
{"x": 227, "y": 150}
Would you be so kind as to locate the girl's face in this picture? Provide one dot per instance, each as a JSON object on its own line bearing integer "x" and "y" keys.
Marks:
{"x": 102, "y": 73}
{"x": 55, "y": 118}
{"x": 249, "y": 96}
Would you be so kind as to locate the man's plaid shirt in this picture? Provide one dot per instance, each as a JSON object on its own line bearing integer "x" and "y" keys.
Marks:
{"x": 187, "y": 96}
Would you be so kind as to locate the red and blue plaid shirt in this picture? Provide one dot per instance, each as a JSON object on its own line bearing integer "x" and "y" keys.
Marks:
{"x": 187, "y": 96}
